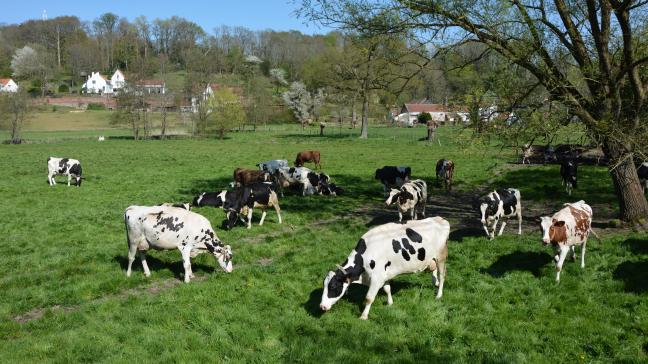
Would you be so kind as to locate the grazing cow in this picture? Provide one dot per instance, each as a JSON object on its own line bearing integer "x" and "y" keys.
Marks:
{"x": 412, "y": 197}
{"x": 272, "y": 165}
{"x": 308, "y": 156}
{"x": 498, "y": 204}
{"x": 445, "y": 171}
{"x": 392, "y": 176}
{"x": 331, "y": 189}
{"x": 387, "y": 251}
{"x": 65, "y": 166}
{"x": 642, "y": 172}
{"x": 299, "y": 176}
{"x": 186, "y": 206}
{"x": 101, "y": 138}
{"x": 242, "y": 201}
{"x": 167, "y": 228}
{"x": 566, "y": 229}
{"x": 568, "y": 169}
{"x": 243, "y": 176}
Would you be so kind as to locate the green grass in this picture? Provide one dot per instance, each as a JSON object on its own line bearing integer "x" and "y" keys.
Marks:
{"x": 64, "y": 251}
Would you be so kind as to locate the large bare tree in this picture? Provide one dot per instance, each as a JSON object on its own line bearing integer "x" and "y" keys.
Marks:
{"x": 590, "y": 55}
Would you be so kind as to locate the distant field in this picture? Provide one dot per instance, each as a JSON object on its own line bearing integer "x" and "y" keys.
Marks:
{"x": 65, "y": 296}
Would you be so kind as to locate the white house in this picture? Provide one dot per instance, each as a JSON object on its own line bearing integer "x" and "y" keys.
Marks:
{"x": 8, "y": 85}
{"x": 118, "y": 81}
{"x": 97, "y": 84}
{"x": 152, "y": 86}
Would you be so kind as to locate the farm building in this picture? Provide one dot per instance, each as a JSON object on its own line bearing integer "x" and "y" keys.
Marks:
{"x": 8, "y": 85}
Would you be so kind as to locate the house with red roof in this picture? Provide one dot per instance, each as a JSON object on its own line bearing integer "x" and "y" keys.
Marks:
{"x": 8, "y": 85}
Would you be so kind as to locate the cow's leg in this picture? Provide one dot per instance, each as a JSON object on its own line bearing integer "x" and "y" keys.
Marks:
{"x": 278, "y": 210}
{"x": 573, "y": 252}
{"x": 69, "y": 179}
{"x": 563, "y": 253}
{"x": 519, "y": 216}
{"x": 492, "y": 236}
{"x": 400, "y": 216}
{"x": 485, "y": 225}
{"x": 249, "y": 218}
{"x": 501, "y": 228}
{"x": 387, "y": 289}
{"x": 374, "y": 287}
{"x": 142, "y": 254}
{"x": 186, "y": 262}
{"x": 132, "y": 251}
{"x": 263, "y": 215}
{"x": 441, "y": 268}
{"x": 583, "y": 254}
{"x": 50, "y": 179}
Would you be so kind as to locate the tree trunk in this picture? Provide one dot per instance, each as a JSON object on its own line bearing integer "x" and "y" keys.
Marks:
{"x": 632, "y": 202}
{"x": 365, "y": 115}
{"x": 354, "y": 114}
{"x": 164, "y": 122}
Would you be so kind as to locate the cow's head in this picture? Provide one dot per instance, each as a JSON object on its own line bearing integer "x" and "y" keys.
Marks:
{"x": 552, "y": 230}
{"x": 232, "y": 216}
{"x": 335, "y": 286}
{"x": 488, "y": 208}
{"x": 223, "y": 255}
{"x": 394, "y": 194}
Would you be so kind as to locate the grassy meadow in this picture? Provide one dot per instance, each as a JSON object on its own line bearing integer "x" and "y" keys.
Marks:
{"x": 63, "y": 253}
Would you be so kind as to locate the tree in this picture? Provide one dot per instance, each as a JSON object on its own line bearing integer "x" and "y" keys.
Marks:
{"x": 224, "y": 112}
{"x": 14, "y": 111}
{"x": 303, "y": 104}
{"x": 590, "y": 56}
{"x": 31, "y": 63}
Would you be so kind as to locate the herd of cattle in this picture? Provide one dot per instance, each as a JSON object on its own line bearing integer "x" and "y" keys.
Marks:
{"x": 381, "y": 254}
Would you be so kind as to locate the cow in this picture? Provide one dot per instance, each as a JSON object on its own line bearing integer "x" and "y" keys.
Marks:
{"x": 568, "y": 170}
{"x": 65, "y": 166}
{"x": 393, "y": 176}
{"x": 445, "y": 172}
{"x": 642, "y": 172}
{"x": 272, "y": 165}
{"x": 167, "y": 228}
{"x": 243, "y": 176}
{"x": 412, "y": 197}
{"x": 101, "y": 138}
{"x": 299, "y": 176}
{"x": 186, "y": 206}
{"x": 331, "y": 189}
{"x": 242, "y": 201}
{"x": 566, "y": 229}
{"x": 308, "y": 156}
{"x": 533, "y": 152}
{"x": 387, "y": 251}
{"x": 498, "y": 204}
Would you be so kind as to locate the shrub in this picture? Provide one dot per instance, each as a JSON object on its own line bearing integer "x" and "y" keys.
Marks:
{"x": 64, "y": 88}
{"x": 96, "y": 106}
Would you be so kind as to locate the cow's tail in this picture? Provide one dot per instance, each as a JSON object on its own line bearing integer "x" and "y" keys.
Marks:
{"x": 595, "y": 235}
{"x": 126, "y": 225}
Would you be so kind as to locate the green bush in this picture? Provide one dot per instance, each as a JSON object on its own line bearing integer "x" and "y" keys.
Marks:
{"x": 64, "y": 88}
{"x": 95, "y": 106}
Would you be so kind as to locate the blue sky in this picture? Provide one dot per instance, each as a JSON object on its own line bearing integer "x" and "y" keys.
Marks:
{"x": 253, "y": 14}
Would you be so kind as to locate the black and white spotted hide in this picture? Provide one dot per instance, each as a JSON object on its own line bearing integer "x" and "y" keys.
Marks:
{"x": 168, "y": 228}
{"x": 412, "y": 197}
{"x": 242, "y": 201}
{"x": 387, "y": 251}
{"x": 568, "y": 171}
{"x": 504, "y": 203}
{"x": 393, "y": 176}
{"x": 65, "y": 166}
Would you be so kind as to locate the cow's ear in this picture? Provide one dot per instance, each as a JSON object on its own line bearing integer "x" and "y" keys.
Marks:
{"x": 559, "y": 224}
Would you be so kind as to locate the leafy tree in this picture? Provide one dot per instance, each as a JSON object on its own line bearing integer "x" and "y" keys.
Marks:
{"x": 303, "y": 104}
{"x": 34, "y": 64}
{"x": 14, "y": 112}
{"x": 225, "y": 112}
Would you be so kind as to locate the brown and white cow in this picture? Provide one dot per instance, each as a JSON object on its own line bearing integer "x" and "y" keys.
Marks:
{"x": 243, "y": 176}
{"x": 566, "y": 229}
{"x": 308, "y": 156}
{"x": 445, "y": 172}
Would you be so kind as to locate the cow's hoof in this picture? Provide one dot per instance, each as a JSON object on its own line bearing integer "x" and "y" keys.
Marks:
{"x": 363, "y": 317}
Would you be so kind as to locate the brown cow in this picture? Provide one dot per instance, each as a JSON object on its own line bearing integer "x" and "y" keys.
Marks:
{"x": 308, "y": 156}
{"x": 445, "y": 171}
{"x": 566, "y": 229}
{"x": 243, "y": 176}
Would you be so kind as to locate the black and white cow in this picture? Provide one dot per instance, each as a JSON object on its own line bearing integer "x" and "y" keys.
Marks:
{"x": 168, "y": 228}
{"x": 272, "y": 165}
{"x": 387, "y": 251}
{"x": 568, "y": 171}
{"x": 499, "y": 204}
{"x": 642, "y": 171}
{"x": 65, "y": 166}
{"x": 411, "y": 197}
{"x": 309, "y": 181}
{"x": 242, "y": 201}
{"x": 393, "y": 176}
{"x": 186, "y": 206}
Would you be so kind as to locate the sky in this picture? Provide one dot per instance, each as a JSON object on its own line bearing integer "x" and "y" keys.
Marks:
{"x": 252, "y": 14}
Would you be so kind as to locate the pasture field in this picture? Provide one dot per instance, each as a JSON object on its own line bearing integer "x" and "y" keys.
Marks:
{"x": 65, "y": 296}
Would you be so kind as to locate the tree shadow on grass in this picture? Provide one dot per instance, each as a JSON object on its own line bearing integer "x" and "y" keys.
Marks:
{"x": 531, "y": 262}
{"x": 637, "y": 246}
{"x": 634, "y": 276}
{"x": 156, "y": 264}
{"x": 356, "y": 294}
